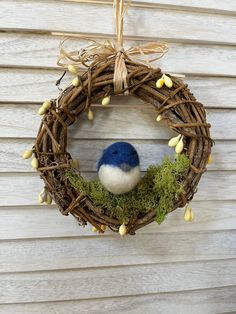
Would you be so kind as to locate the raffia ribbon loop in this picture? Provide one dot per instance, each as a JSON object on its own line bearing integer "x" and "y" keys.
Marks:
{"x": 120, "y": 73}
{"x": 99, "y": 53}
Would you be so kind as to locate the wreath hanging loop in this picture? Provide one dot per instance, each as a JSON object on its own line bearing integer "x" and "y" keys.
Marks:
{"x": 100, "y": 53}
{"x": 109, "y": 70}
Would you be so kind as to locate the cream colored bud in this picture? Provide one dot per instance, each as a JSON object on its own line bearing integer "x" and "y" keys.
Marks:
{"x": 188, "y": 214}
{"x": 40, "y": 199}
{"x": 35, "y": 163}
{"x": 106, "y": 100}
{"x": 210, "y": 160}
{"x": 75, "y": 81}
{"x": 122, "y": 230}
{"x": 48, "y": 200}
{"x": 94, "y": 229}
{"x": 72, "y": 69}
{"x": 174, "y": 141}
{"x": 160, "y": 83}
{"x": 27, "y": 154}
{"x": 168, "y": 81}
{"x": 47, "y": 104}
{"x": 103, "y": 227}
{"x": 42, "y": 196}
{"x": 192, "y": 215}
{"x": 159, "y": 118}
{"x": 179, "y": 147}
{"x": 42, "y": 110}
{"x": 90, "y": 115}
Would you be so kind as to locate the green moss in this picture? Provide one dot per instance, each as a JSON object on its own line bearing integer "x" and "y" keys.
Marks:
{"x": 158, "y": 189}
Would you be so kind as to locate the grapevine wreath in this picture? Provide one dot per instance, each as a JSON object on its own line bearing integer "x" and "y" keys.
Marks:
{"x": 111, "y": 71}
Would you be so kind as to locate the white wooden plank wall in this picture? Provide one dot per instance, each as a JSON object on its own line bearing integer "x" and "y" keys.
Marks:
{"x": 50, "y": 265}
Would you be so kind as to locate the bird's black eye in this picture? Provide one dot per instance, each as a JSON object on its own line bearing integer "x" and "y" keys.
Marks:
{"x": 115, "y": 152}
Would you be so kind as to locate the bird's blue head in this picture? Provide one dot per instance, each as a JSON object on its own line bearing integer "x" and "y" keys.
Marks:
{"x": 120, "y": 154}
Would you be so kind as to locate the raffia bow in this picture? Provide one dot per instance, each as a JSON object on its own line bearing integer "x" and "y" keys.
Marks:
{"x": 98, "y": 53}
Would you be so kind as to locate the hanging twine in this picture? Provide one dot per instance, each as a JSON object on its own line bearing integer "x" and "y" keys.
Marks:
{"x": 98, "y": 53}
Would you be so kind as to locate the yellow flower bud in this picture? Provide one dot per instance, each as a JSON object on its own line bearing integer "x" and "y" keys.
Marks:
{"x": 48, "y": 200}
{"x": 42, "y": 110}
{"x": 27, "y": 154}
{"x": 122, "y": 230}
{"x": 72, "y": 69}
{"x": 160, "y": 83}
{"x": 90, "y": 115}
{"x": 94, "y": 229}
{"x": 168, "y": 81}
{"x": 103, "y": 227}
{"x": 40, "y": 199}
{"x": 188, "y": 214}
{"x": 75, "y": 81}
{"x": 47, "y": 104}
{"x": 41, "y": 196}
{"x": 35, "y": 163}
{"x": 209, "y": 160}
{"x": 174, "y": 141}
{"x": 159, "y": 118}
{"x": 179, "y": 147}
{"x": 106, "y": 100}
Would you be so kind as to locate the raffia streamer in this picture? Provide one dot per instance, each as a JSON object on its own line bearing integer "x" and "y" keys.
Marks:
{"x": 98, "y": 53}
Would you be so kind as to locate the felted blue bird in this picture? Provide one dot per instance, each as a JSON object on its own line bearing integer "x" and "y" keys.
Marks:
{"x": 118, "y": 168}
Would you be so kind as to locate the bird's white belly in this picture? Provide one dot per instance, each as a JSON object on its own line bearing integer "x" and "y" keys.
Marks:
{"x": 118, "y": 181}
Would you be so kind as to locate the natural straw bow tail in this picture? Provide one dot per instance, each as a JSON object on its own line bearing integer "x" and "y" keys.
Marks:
{"x": 98, "y": 53}
{"x": 120, "y": 70}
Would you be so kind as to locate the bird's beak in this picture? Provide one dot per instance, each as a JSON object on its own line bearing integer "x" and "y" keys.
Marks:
{"x": 125, "y": 167}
